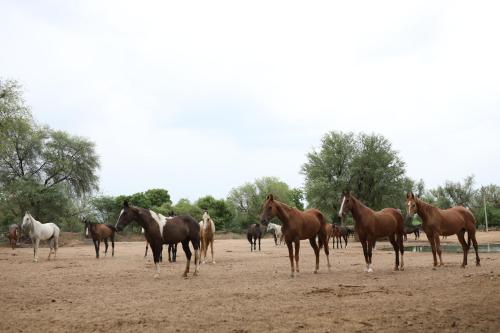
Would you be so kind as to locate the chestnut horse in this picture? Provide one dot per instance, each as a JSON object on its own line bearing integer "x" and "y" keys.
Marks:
{"x": 435, "y": 222}
{"x": 339, "y": 233}
{"x": 158, "y": 231}
{"x": 100, "y": 232}
{"x": 296, "y": 226}
{"x": 14, "y": 235}
{"x": 371, "y": 225}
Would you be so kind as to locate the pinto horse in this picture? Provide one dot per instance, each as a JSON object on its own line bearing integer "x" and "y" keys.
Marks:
{"x": 101, "y": 232}
{"x": 14, "y": 235}
{"x": 207, "y": 233}
{"x": 435, "y": 222}
{"x": 158, "y": 231}
{"x": 371, "y": 225}
{"x": 41, "y": 231}
{"x": 254, "y": 233}
{"x": 298, "y": 225}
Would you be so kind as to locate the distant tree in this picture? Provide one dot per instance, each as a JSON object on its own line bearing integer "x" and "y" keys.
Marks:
{"x": 455, "y": 193}
{"x": 185, "y": 207}
{"x": 219, "y": 211}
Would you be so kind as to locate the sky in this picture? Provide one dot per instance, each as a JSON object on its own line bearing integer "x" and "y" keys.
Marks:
{"x": 201, "y": 97}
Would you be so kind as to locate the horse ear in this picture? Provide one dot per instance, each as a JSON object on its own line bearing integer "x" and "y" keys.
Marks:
{"x": 270, "y": 197}
{"x": 125, "y": 204}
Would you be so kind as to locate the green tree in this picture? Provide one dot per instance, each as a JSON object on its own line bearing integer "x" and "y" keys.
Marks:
{"x": 365, "y": 164}
{"x": 455, "y": 193}
{"x": 185, "y": 207}
{"x": 219, "y": 211}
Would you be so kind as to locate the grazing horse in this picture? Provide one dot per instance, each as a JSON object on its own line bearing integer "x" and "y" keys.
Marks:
{"x": 298, "y": 225}
{"x": 14, "y": 235}
{"x": 41, "y": 231}
{"x": 339, "y": 233}
{"x": 371, "y": 225}
{"x": 435, "y": 222}
{"x": 101, "y": 232}
{"x": 254, "y": 232}
{"x": 275, "y": 230}
{"x": 411, "y": 229}
{"x": 158, "y": 231}
{"x": 207, "y": 233}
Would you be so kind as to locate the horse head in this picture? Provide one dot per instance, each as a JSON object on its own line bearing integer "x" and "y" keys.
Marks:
{"x": 26, "y": 220}
{"x": 126, "y": 216}
{"x": 411, "y": 204}
{"x": 346, "y": 203}
{"x": 269, "y": 210}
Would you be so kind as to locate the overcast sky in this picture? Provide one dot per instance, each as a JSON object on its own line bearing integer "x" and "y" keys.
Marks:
{"x": 201, "y": 97}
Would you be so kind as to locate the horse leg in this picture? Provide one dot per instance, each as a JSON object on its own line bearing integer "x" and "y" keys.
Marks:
{"x": 392, "y": 239}
{"x": 371, "y": 245}
{"x": 345, "y": 241}
{"x": 297, "y": 249}
{"x": 187, "y": 251}
{"x": 465, "y": 247}
{"x": 315, "y": 247}
{"x": 472, "y": 235}
{"x": 197, "y": 256}
{"x": 105, "y": 246}
{"x": 365, "y": 253}
{"x": 290, "y": 255}
{"x": 431, "y": 238}
{"x": 438, "y": 249}
{"x": 170, "y": 249}
{"x": 174, "y": 252}
{"x": 51, "y": 245}
{"x": 156, "y": 257}
{"x": 113, "y": 245}
{"x": 399, "y": 239}
{"x": 259, "y": 243}
{"x": 203, "y": 253}
{"x": 212, "y": 250}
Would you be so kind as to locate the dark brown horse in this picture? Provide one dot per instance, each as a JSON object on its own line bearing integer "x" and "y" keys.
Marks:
{"x": 339, "y": 233}
{"x": 412, "y": 229}
{"x": 254, "y": 233}
{"x": 371, "y": 225}
{"x": 100, "y": 232}
{"x": 296, "y": 226}
{"x": 435, "y": 222}
{"x": 158, "y": 231}
{"x": 14, "y": 235}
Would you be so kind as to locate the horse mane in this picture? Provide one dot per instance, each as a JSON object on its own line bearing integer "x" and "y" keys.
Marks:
{"x": 425, "y": 207}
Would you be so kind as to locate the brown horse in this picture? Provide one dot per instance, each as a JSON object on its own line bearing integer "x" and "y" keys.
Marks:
{"x": 330, "y": 234}
{"x": 435, "y": 222}
{"x": 298, "y": 225}
{"x": 254, "y": 233}
{"x": 14, "y": 235}
{"x": 371, "y": 225}
{"x": 101, "y": 232}
{"x": 339, "y": 233}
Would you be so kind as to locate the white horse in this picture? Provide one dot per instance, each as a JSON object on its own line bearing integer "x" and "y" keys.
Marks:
{"x": 207, "y": 233}
{"x": 277, "y": 232}
{"x": 41, "y": 231}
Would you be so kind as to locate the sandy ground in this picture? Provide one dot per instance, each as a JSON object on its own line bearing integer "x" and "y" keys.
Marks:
{"x": 247, "y": 292}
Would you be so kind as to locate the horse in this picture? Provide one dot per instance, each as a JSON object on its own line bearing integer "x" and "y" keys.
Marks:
{"x": 254, "y": 233}
{"x": 444, "y": 222}
{"x": 329, "y": 234}
{"x": 297, "y": 226}
{"x": 101, "y": 232}
{"x": 158, "y": 231}
{"x": 339, "y": 233}
{"x": 350, "y": 231}
{"x": 411, "y": 229}
{"x": 14, "y": 235}
{"x": 275, "y": 230}
{"x": 41, "y": 231}
{"x": 371, "y": 225}
{"x": 207, "y": 233}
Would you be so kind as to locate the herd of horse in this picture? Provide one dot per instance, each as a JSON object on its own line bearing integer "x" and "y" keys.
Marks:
{"x": 296, "y": 225}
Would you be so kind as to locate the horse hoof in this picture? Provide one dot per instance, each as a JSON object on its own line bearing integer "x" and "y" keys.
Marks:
{"x": 396, "y": 269}
{"x": 478, "y": 264}
{"x": 157, "y": 276}
{"x": 462, "y": 266}
{"x": 401, "y": 268}
{"x": 315, "y": 272}
{"x": 369, "y": 270}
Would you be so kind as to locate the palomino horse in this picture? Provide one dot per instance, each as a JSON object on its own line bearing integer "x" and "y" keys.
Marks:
{"x": 339, "y": 233}
{"x": 455, "y": 220}
{"x": 14, "y": 235}
{"x": 298, "y": 225}
{"x": 207, "y": 233}
{"x": 275, "y": 230}
{"x": 254, "y": 233}
{"x": 41, "y": 231}
{"x": 158, "y": 231}
{"x": 101, "y": 232}
{"x": 371, "y": 225}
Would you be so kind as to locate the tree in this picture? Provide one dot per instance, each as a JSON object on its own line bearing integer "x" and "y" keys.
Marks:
{"x": 247, "y": 199}
{"x": 219, "y": 211}
{"x": 185, "y": 207}
{"x": 365, "y": 164}
{"x": 455, "y": 193}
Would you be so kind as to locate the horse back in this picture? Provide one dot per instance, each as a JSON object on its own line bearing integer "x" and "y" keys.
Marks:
{"x": 389, "y": 220}
{"x": 180, "y": 228}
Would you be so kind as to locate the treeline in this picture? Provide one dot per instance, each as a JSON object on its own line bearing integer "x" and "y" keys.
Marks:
{"x": 53, "y": 174}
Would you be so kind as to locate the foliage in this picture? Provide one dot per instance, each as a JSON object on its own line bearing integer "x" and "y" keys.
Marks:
{"x": 455, "y": 193}
{"x": 365, "y": 164}
{"x": 219, "y": 211}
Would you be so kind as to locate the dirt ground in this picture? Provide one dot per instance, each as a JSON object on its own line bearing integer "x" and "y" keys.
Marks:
{"x": 247, "y": 292}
